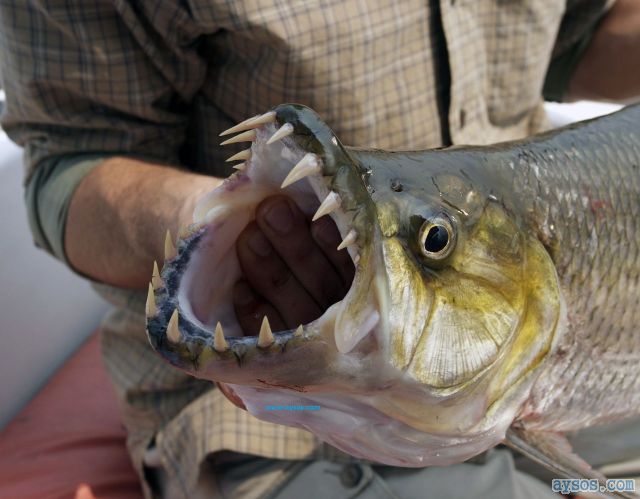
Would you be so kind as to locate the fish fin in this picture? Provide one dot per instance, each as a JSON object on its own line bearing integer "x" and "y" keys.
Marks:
{"x": 553, "y": 451}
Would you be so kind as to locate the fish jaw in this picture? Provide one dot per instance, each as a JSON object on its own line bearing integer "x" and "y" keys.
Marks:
{"x": 384, "y": 393}
{"x": 292, "y": 153}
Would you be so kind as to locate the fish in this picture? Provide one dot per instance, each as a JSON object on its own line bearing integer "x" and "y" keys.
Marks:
{"x": 496, "y": 296}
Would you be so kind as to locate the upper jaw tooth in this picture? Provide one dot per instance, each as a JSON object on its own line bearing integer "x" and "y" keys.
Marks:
{"x": 248, "y": 136}
{"x": 348, "y": 240}
{"x": 250, "y": 123}
{"x": 282, "y": 132}
{"x": 242, "y": 155}
{"x": 331, "y": 203}
{"x": 308, "y": 165}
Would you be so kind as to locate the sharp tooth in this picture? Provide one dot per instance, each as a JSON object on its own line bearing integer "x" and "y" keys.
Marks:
{"x": 150, "y": 307}
{"x": 248, "y": 136}
{"x": 219, "y": 343}
{"x": 156, "y": 280}
{"x": 244, "y": 155}
{"x": 217, "y": 213}
{"x": 308, "y": 165}
{"x": 250, "y": 123}
{"x": 173, "y": 331}
{"x": 282, "y": 132}
{"x": 265, "y": 338}
{"x": 330, "y": 203}
{"x": 169, "y": 249}
{"x": 348, "y": 240}
{"x": 298, "y": 331}
{"x": 240, "y": 166}
{"x": 184, "y": 232}
{"x": 243, "y": 125}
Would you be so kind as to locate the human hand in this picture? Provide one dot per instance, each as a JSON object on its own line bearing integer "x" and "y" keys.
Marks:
{"x": 292, "y": 270}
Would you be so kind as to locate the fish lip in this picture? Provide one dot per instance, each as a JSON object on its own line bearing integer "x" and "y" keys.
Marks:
{"x": 340, "y": 174}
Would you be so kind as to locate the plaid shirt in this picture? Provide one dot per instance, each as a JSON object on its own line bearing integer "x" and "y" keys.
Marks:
{"x": 162, "y": 79}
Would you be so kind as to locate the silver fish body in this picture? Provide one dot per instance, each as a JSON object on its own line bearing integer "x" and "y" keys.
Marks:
{"x": 496, "y": 287}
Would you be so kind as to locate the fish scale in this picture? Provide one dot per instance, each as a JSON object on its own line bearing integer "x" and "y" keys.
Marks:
{"x": 596, "y": 252}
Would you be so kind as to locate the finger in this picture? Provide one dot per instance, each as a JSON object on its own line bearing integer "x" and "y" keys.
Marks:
{"x": 288, "y": 230}
{"x": 327, "y": 236}
{"x": 251, "y": 308}
{"x": 269, "y": 276}
{"x": 84, "y": 492}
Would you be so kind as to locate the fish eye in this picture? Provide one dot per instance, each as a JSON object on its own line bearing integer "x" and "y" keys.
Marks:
{"x": 437, "y": 238}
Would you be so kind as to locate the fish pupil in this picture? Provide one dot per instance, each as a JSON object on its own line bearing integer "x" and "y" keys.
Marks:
{"x": 437, "y": 239}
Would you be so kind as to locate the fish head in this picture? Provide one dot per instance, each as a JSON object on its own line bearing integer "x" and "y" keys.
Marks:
{"x": 452, "y": 309}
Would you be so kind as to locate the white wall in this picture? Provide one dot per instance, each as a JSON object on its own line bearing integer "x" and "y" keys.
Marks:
{"x": 563, "y": 114}
{"x": 45, "y": 310}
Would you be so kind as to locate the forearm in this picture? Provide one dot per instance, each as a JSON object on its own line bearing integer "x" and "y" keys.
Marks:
{"x": 119, "y": 215}
{"x": 610, "y": 67}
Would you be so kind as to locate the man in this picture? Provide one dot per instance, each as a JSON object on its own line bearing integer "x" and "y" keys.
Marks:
{"x": 119, "y": 106}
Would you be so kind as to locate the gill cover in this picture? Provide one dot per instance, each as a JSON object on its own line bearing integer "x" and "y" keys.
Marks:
{"x": 473, "y": 315}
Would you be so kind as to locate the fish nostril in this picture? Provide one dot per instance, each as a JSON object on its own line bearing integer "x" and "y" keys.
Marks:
{"x": 396, "y": 186}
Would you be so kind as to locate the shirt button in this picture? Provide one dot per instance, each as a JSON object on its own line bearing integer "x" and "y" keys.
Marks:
{"x": 463, "y": 118}
{"x": 351, "y": 475}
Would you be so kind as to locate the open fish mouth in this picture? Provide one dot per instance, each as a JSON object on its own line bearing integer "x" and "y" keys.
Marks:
{"x": 430, "y": 354}
{"x": 190, "y": 315}
{"x": 457, "y": 318}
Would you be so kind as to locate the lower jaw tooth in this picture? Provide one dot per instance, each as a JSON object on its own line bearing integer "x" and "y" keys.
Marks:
{"x": 173, "y": 331}
{"x": 265, "y": 338}
{"x": 169, "y": 249}
{"x": 219, "y": 341}
{"x": 156, "y": 280}
{"x": 150, "y": 307}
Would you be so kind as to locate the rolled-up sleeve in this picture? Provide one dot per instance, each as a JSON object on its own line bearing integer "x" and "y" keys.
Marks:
{"x": 89, "y": 80}
{"x": 578, "y": 26}
{"x": 48, "y": 195}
